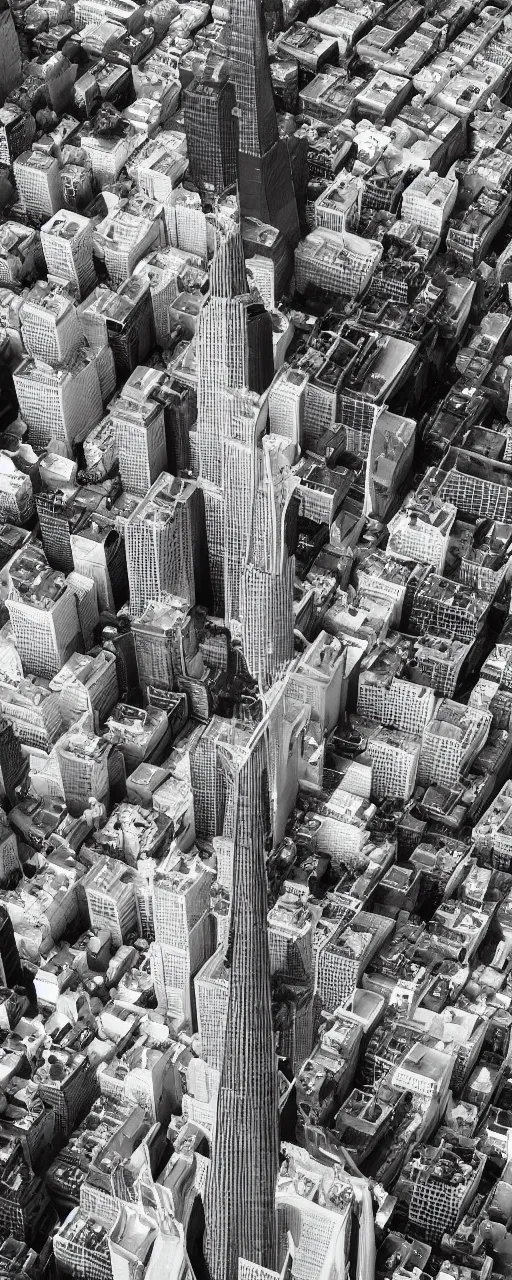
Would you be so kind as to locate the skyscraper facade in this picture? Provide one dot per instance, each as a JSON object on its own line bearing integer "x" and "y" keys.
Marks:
{"x": 265, "y": 179}
{"x": 240, "y": 459}
{"x": 240, "y": 1210}
{"x": 234, "y": 358}
{"x": 245, "y": 474}
{"x": 211, "y": 133}
{"x": 11, "y": 974}
{"x": 45, "y": 624}
{"x": 266, "y": 583}
{"x": 234, "y": 351}
{"x": 140, "y": 437}
{"x": 159, "y": 543}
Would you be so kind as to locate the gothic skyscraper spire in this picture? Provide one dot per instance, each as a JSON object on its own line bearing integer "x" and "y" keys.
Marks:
{"x": 234, "y": 350}
{"x": 234, "y": 355}
{"x": 228, "y": 276}
{"x": 240, "y": 1193}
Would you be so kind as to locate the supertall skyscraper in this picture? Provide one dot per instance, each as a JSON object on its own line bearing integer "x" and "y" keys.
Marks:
{"x": 234, "y": 355}
{"x": 245, "y": 473}
{"x": 240, "y": 1211}
{"x": 265, "y": 179}
{"x": 234, "y": 351}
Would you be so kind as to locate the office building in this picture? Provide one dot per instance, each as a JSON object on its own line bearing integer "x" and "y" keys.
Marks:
{"x": 111, "y": 901}
{"x": 450, "y": 742}
{"x": 98, "y": 552}
{"x": 421, "y": 529}
{"x": 45, "y": 624}
{"x": 181, "y": 896}
{"x": 179, "y": 402}
{"x": 290, "y": 940}
{"x": 154, "y": 634}
{"x": 86, "y": 685}
{"x": 18, "y": 248}
{"x": 210, "y": 127}
{"x": 66, "y": 241}
{"x": 160, "y": 537}
{"x": 395, "y": 757}
{"x": 160, "y": 270}
{"x": 138, "y": 424}
{"x": 183, "y": 932}
{"x": 39, "y": 183}
{"x": 50, "y": 327}
{"x": 61, "y": 404}
{"x": 16, "y": 492}
{"x": 33, "y": 711}
{"x": 59, "y": 519}
{"x": 286, "y": 402}
{"x": 317, "y": 681}
{"x": 397, "y": 703}
{"x": 85, "y": 768}
{"x": 438, "y": 1178}
{"x": 447, "y": 609}
{"x": 234, "y": 359}
{"x": 130, "y": 324}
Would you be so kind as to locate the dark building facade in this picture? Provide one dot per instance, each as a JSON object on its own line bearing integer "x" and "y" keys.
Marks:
{"x": 11, "y": 974}
{"x": 211, "y": 134}
{"x": 265, "y": 179}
